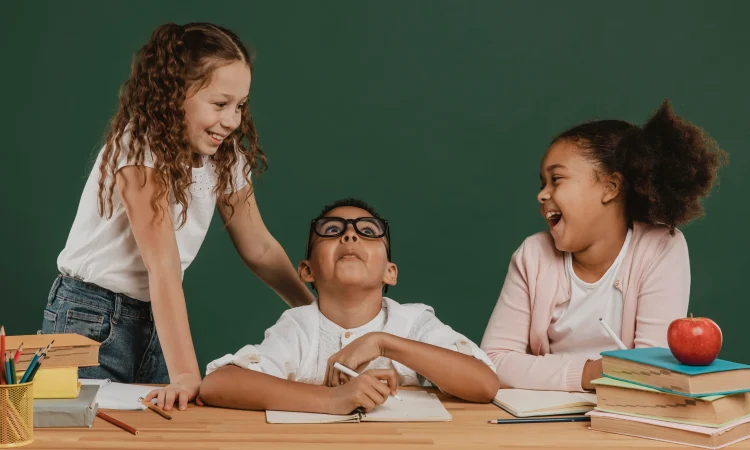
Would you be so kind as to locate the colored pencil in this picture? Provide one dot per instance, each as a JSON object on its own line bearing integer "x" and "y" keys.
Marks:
{"x": 156, "y": 409}
{"x": 46, "y": 349}
{"x": 7, "y": 370}
{"x": 13, "y": 375}
{"x": 2, "y": 346}
{"x": 32, "y": 364}
{"x": 541, "y": 420}
{"x": 17, "y": 356}
{"x": 116, "y": 422}
{"x": 38, "y": 365}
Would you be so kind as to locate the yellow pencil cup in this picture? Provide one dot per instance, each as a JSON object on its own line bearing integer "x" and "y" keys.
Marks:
{"x": 16, "y": 414}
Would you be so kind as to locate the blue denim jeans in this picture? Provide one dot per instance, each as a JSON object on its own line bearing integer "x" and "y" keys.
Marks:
{"x": 130, "y": 350}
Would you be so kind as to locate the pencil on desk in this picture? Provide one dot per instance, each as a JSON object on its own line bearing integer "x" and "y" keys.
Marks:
{"x": 156, "y": 409}
{"x": 541, "y": 420}
{"x": 116, "y": 422}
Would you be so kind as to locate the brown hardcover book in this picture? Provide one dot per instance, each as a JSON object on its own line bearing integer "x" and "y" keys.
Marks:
{"x": 68, "y": 350}
{"x": 627, "y": 398}
{"x": 669, "y": 431}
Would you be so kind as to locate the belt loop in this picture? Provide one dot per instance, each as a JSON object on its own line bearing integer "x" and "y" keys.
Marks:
{"x": 118, "y": 307}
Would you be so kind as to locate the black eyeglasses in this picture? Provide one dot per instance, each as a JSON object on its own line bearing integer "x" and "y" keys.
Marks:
{"x": 367, "y": 227}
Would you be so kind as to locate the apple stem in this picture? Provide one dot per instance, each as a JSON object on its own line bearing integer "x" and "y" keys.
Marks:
{"x": 691, "y": 315}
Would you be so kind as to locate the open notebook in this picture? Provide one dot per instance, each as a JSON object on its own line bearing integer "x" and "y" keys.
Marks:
{"x": 528, "y": 403}
{"x": 418, "y": 406}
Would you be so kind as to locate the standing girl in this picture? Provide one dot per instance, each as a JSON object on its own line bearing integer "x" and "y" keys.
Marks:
{"x": 181, "y": 144}
{"x": 612, "y": 194}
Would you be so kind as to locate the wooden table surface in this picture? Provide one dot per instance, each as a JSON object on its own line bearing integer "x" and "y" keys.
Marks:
{"x": 214, "y": 428}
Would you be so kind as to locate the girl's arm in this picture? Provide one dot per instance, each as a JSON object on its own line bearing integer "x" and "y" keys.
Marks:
{"x": 664, "y": 293}
{"x": 506, "y": 340}
{"x": 155, "y": 237}
{"x": 260, "y": 251}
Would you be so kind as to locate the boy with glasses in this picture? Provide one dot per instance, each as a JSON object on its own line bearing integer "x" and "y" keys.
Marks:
{"x": 348, "y": 263}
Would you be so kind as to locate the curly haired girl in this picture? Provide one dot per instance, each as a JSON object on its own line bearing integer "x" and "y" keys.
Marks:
{"x": 612, "y": 194}
{"x": 181, "y": 144}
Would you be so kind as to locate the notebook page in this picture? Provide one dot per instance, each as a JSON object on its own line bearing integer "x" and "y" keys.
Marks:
{"x": 302, "y": 417}
{"x": 417, "y": 406}
{"x": 522, "y": 402}
{"x": 118, "y": 395}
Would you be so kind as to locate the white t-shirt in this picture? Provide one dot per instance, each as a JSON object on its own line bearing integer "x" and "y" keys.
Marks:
{"x": 575, "y": 327}
{"x": 298, "y": 346}
{"x": 104, "y": 252}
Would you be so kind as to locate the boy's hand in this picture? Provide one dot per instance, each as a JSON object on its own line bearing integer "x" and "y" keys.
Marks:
{"x": 355, "y": 356}
{"x": 365, "y": 391}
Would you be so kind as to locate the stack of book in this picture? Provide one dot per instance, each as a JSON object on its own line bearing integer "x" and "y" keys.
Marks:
{"x": 59, "y": 400}
{"x": 647, "y": 393}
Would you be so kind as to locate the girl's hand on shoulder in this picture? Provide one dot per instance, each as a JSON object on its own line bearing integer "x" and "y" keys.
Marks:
{"x": 181, "y": 391}
{"x": 355, "y": 356}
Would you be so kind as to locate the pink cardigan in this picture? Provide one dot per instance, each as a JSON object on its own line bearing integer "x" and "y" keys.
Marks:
{"x": 655, "y": 282}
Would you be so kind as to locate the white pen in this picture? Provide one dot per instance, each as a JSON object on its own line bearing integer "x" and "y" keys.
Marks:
{"x": 354, "y": 374}
{"x": 612, "y": 334}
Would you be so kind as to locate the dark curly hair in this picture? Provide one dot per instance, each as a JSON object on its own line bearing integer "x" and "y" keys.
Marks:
{"x": 667, "y": 165}
{"x": 176, "y": 59}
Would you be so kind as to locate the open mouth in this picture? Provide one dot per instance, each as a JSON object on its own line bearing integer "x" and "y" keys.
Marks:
{"x": 553, "y": 217}
{"x": 217, "y": 139}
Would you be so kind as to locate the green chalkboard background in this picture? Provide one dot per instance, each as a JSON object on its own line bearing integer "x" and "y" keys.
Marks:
{"x": 436, "y": 112}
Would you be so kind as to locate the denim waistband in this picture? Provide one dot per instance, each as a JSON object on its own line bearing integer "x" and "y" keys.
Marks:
{"x": 78, "y": 291}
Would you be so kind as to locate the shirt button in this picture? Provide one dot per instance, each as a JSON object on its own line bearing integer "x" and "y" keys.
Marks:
{"x": 617, "y": 283}
{"x": 348, "y": 334}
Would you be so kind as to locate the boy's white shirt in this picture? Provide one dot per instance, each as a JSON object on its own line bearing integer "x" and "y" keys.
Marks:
{"x": 298, "y": 346}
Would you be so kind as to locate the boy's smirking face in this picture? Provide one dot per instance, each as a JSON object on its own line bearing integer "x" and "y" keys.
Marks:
{"x": 349, "y": 260}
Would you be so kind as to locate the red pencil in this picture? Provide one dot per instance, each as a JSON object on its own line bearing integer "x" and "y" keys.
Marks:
{"x": 116, "y": 422}
{"x": 2, "y": 346}
{"x": 18, "y": 353}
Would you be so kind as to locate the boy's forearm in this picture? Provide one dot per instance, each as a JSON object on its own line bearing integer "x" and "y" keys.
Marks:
{"x": 457, "y": 374}
{"x": 234, "y": 387}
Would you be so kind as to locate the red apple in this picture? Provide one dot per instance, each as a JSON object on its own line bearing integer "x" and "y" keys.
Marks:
{"x": 694, "y": 341}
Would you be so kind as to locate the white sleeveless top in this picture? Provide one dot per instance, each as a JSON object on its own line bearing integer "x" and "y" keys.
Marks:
{"x": 104, "y": 252}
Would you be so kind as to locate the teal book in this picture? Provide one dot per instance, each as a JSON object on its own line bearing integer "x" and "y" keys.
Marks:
{"x": 657, "y": 368}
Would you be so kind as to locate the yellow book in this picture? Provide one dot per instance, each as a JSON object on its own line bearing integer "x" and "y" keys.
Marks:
{"x": 55, "y": 382}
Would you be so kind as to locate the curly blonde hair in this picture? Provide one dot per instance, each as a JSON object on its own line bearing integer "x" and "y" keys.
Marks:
{"x": 176, "y": 59}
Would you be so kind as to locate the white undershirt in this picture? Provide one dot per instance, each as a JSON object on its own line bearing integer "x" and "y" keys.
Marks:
{"x": 575, "y": 328}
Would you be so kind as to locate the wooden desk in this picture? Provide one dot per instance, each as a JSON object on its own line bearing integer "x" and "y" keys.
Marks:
{"x": 213, "y": 428}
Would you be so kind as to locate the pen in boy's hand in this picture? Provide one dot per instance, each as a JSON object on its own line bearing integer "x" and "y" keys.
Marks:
{"x": 354, "y": 374}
